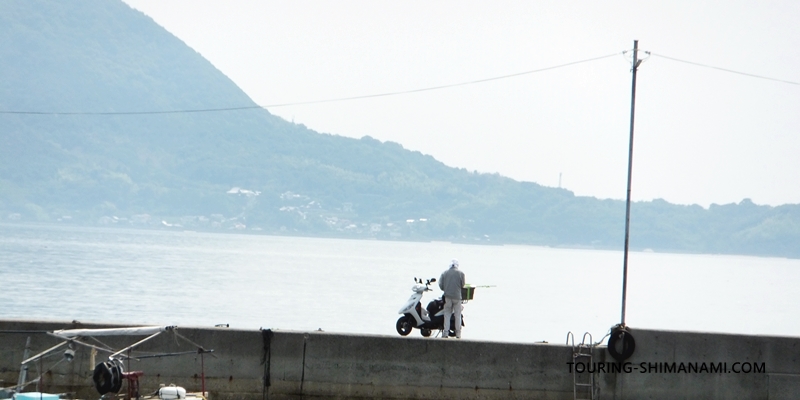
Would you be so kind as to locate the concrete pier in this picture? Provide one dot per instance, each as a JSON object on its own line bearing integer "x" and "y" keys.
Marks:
{"x": 265, "y": 364}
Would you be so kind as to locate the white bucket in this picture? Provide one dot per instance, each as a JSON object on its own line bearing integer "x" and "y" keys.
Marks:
{"x": 171, "y": 393}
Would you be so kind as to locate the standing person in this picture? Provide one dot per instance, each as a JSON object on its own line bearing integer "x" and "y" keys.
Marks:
{"x": 451, "y": 282}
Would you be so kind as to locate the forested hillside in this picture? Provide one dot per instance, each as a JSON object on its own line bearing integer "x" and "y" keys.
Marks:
{"x": 90, "y": 133}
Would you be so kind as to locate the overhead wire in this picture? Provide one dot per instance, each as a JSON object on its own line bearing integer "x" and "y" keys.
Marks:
{"x": 314, "y": 101}
{"x": 395, "y": 93}
{"x": 185, "y": 111}
{"x": 725, "y": 69}
{"x": 450, "y": 85}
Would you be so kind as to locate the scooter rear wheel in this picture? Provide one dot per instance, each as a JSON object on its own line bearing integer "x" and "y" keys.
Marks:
{"x": 425, "y": 332}
{"x": 404, "y": 326}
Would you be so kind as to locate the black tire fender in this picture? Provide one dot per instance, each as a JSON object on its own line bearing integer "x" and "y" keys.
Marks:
{"x": 107, "y": 377}
{"x": 621, "y": 344}
{"x": 103, "y": 377}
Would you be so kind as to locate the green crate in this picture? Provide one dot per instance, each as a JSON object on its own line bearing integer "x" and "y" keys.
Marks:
{"x": 467, "y": 293}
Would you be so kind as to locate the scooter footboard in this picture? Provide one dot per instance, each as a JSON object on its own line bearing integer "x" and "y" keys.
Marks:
{"x": 437, "y": 322}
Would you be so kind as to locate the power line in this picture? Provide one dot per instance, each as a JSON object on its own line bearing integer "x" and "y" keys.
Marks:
{"x": 313, "y": 101}
{"x": 396, "y": 93}
{"x": 446, "y": 86}
{"x": 199, "y": 110}
{"x": 726, "y": 70}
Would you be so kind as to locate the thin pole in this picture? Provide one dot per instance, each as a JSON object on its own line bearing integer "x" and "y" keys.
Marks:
{"x": 635, "y": 66}
{"x": 23, "y": 371}
{"x": 202, "y": 374}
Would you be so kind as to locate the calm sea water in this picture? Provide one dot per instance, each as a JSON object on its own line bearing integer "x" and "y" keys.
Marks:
{"x": 357, "y": 286}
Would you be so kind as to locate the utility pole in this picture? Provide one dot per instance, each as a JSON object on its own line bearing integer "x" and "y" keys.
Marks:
{"x": 634, "y": 66}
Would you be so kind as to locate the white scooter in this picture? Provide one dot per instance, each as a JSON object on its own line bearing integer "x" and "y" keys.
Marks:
{"x": 425, "y": 319}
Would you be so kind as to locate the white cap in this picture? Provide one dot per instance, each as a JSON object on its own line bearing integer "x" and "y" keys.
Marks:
{"x": 454, "y": 263}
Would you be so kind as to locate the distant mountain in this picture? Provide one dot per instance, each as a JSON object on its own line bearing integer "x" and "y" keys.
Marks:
{"x": 248, "y": 170}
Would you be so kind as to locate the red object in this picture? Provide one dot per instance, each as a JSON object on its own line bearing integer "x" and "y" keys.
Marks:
{"x": 133, "y": 383}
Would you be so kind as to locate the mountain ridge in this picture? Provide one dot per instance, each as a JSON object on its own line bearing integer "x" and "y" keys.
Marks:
{"x": 181, "y": 167}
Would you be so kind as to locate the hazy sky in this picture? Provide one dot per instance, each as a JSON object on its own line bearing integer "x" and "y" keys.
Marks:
{"x": 702, "y": 135}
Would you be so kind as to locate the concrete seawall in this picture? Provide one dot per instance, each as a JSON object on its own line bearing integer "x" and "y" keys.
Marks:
{"x": 253, "y": 364}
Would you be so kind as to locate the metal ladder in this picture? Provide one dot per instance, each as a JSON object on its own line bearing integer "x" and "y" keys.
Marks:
{"x": 583, "y": 383}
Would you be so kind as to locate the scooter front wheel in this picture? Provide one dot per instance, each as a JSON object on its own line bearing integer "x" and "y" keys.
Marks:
{"x": 404, "y": 326}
